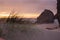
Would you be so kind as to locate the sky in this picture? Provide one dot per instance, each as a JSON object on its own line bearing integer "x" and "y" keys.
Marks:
{"x": 27, "y": 7}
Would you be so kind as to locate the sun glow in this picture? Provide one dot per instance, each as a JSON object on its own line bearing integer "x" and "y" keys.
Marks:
{"x": 3, "y": 15}
{"x": 23, "y": 15}
{"x": 28, "y": 15}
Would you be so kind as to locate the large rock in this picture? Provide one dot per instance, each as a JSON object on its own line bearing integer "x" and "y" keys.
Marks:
{"x": 58, "y": 11}
{"x": 46, "y": 16}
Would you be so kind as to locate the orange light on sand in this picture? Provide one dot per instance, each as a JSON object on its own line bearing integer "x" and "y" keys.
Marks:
{"x": 23, "y": 15}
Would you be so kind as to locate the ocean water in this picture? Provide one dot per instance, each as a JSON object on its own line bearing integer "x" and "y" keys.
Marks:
{"x": 56, "y": 22}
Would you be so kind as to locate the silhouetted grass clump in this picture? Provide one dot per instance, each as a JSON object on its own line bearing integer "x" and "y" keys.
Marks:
{"x": 14, "y": 19}
{"x": 1, "y": 32}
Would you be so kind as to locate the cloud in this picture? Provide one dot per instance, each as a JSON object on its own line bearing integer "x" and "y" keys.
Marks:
{"x": 28, "y": 5}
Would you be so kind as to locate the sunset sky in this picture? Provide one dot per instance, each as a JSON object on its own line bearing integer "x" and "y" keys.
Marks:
{"x": 26, "y": 8}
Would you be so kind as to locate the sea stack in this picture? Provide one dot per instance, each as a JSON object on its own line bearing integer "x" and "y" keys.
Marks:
{"x": 46, "y": 16}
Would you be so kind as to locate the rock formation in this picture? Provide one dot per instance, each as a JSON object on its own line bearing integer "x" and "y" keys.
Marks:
{"x": 46, "y": 16}
{"x": 58, "y": 11}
